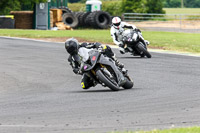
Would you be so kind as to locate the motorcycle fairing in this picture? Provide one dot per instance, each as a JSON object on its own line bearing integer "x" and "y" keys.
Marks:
{"x": 96, "y": 58}
{"x": 106, "y": 61}
{"x": 93, "y": 57}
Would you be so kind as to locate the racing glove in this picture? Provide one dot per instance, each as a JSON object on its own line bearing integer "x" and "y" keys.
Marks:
{"x": 76, "y": 70}
{"x": 121, "y": 45}
{"x": 138, "y": 30}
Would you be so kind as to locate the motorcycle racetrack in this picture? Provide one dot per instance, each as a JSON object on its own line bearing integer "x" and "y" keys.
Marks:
{"x": 40, "y": 93}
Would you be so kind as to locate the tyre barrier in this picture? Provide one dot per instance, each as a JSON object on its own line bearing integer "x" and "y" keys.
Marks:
{"x": 96, "y": 19}
{"x": 99, "y": 19}
{"x": 70, "y": 19}
{"x": 78, "y": 14}
{"x": 82, "y": 19}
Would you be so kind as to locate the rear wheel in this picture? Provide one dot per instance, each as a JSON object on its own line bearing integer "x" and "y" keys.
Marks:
{"x": 142, "y": 55}
{"x": 129, "y": 84}
{"x": 144, "y": 50}
{"x": 107, "y": 81}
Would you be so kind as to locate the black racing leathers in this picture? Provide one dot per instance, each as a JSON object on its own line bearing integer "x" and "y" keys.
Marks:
{"x": 75, "y": 62}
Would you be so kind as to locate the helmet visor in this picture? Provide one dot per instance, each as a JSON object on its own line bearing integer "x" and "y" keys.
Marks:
{"x": 71, "y": 50}
{"x": 71, "y": 47}
{"x": 117, "y": 24}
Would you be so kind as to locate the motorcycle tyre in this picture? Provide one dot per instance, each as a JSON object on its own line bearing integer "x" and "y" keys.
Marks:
{"x": 148, "y": 55}
{"x": 142, "y": 55}
{"x": 128, "y": 85}
{"x": 106, "y": 81}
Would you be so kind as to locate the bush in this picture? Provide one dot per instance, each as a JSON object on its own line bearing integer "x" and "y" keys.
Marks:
{"x": 154, "y": 6}
{"x": 177, "y": 3}
{"x": 172, "y": 3}
{"x": 133, "y": 6}
{"x": 77, "y": 7}
{"x": 112, "y": 7}
{"x": 192, "y": 3}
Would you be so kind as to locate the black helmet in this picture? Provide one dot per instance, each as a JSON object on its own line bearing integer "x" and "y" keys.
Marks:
{"x": 72, "y": 45}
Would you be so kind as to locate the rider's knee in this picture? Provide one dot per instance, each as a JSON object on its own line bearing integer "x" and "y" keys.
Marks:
{"x": 84, "y": 86}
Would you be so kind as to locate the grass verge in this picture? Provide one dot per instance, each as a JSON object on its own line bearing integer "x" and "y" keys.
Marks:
{"x": 184, "y": 42}
{"x": 182, "y": 10}
{"x": 173, "y": 130}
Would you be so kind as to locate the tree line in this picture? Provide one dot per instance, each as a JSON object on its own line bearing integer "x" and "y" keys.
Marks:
{"x": 177, "y": 3}
{"x": 139, "y": 6}
{"x": 142, "y": 6}
{"x": 15, "y": 5}
{"x": 166, "y": 3}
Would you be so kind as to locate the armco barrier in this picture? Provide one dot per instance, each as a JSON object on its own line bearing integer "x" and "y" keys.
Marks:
{"x": 7, "y": 22}
{"x": 165, "y": 22}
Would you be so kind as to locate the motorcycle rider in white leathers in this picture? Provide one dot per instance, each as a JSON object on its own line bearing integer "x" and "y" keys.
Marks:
{"x": 118, "y": 27}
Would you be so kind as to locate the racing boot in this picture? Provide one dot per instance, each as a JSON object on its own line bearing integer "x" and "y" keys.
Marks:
{"x": 87, "y": 82}
{"x": 121, "y": 50}
{"x": 147, "y": 42}
{"x": 119, "y": 64}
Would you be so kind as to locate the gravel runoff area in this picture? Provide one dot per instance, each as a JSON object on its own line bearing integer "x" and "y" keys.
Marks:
{"x": 192, "y": 26}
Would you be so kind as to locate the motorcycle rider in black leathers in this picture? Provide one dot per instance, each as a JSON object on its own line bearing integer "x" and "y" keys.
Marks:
{"x": 72, "y": 46}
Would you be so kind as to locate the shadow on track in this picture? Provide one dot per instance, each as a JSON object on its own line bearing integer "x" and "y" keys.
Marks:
{"x": 90, "y": 91}
{"x": 95, "y": 91}
{"x": 131, "y": 57}
{"x": 134, "y": 57}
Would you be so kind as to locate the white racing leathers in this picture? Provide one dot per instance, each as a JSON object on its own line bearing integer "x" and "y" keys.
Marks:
{"x": 116, "y": 33}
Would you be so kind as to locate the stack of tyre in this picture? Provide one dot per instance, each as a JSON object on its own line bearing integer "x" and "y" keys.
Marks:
{"x": 96, "y": 19}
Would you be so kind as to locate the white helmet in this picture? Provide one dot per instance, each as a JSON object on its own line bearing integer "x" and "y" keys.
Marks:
{"x": 116, "y": 21}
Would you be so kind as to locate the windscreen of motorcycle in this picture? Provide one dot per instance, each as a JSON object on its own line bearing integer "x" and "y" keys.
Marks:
{"x": 127, "y": 34}
{"x": 135, "y": 35}
{"x": 83, "y": 53}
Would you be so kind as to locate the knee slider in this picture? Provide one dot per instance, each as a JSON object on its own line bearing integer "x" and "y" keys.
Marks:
{"x": 84, "y": 86}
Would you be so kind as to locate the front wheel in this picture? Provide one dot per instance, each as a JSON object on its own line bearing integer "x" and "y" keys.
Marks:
{"x": 144, "y": 50}
{"x": 108, "y": 82}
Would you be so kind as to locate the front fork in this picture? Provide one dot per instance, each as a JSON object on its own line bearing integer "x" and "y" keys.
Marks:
{"x": 142, "y": 40}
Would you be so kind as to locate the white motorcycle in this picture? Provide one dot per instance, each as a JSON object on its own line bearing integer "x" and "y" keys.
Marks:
{"x": 134, "y": 45}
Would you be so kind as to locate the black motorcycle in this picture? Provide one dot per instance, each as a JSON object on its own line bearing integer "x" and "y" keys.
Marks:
{"x": 134, "y": 44}
{"x": 102, "y": 69}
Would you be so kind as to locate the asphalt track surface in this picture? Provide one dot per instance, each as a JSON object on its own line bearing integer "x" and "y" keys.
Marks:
{"x": 40, "y": 94}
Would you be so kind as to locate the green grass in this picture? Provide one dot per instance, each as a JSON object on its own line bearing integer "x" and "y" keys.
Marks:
{"x": 174, "y": 130}
{"x": 182, "y": 10}
{"x": 184, "y": 42}
{"x": 89, "y": 35}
